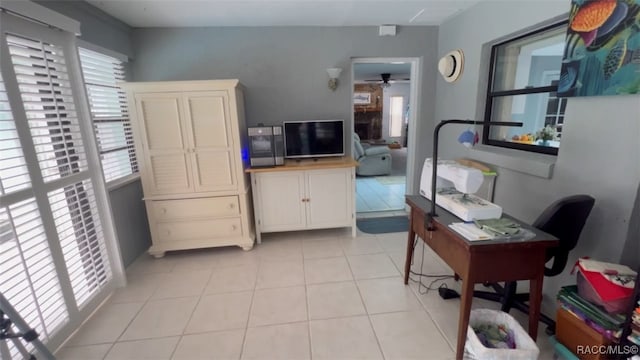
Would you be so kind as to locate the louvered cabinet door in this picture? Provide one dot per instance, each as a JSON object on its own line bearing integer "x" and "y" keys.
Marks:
{"x": 211, "y": 151}
{"x": 165, "y": 144}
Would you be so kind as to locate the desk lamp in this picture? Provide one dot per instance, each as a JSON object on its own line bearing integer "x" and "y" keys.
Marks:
{"x": 434, "y": 172}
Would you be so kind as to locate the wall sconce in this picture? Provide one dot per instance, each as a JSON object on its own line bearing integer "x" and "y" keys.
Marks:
{"x": 334, "y": 74}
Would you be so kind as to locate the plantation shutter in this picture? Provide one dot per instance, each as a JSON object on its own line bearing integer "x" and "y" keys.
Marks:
{"x": 59, "y": 260}
{"x": 28, "y": 276}
{"x": 109, "y": 112}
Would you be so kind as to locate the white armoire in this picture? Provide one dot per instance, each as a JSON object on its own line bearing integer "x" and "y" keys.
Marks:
{"x": 189, "y": 138}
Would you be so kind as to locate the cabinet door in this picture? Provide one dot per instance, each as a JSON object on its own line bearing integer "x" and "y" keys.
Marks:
{"x": 168, "y": 169}
{"x": 211, "y": 153}
{"x": 281, "y": 205}
{"x": 330, "y": 198}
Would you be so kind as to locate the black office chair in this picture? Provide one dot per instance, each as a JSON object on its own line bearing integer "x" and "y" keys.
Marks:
{"x": 563, "y": 219}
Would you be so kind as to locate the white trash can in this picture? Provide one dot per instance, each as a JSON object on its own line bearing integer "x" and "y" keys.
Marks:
{"x": 526, "y": 348}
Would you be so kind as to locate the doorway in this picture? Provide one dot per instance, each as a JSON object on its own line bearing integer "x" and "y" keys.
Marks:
{"x": 384, "y": 115}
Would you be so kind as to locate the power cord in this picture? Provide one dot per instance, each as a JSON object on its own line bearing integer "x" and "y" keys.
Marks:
{"x": 436, "y": 278}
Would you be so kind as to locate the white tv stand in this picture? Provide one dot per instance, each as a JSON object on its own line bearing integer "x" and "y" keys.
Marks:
{"x": 304, "y": 194}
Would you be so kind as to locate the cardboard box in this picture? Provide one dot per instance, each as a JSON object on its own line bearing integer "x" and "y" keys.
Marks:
{"x": 576, "y": 335}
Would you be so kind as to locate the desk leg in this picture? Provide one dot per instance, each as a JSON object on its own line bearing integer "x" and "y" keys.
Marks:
{"x": 410, "y": 239}
{"x": 535, "y": 298}
{"x": 465, "y": 310}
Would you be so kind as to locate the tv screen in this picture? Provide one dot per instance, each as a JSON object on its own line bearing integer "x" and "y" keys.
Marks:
{"x": 314, "y": 138}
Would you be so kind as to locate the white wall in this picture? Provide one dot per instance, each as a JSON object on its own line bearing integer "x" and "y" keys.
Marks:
{"x": 600, "y": 151}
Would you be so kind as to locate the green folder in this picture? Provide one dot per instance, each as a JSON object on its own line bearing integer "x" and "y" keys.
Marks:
{"x": 569, "y": 295}
{"x": 500, "y": 226}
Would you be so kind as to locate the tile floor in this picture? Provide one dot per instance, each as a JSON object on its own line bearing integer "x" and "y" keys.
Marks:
{"x": 302, "y": 295}
{"x": 372, "y": 195}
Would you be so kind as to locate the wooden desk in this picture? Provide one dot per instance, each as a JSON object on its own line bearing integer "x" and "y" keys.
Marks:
{"x": 480, "y": 261}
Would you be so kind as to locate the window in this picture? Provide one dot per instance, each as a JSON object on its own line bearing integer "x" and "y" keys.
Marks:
{"x": 523, "y": 81}
{"x": 395, "y": 128}
{"x": 53, "y": 249}
{"x": 110, "y": 115}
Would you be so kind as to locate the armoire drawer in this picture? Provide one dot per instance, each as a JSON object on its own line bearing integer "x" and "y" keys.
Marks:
{"x": 164, "y": 210}
{"x": 198, "y": 229}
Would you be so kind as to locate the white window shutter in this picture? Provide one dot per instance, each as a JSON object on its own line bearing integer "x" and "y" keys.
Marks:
{"x": 46, "y": 94}
{"x": 28, "y": 275}
{"x": 81, "y": 238}
{"x": 109, "y": 112}
{"x": 13, "y": 168}
{"x": 58, "y": 250}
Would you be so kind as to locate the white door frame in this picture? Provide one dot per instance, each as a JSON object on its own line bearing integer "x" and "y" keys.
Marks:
{"x": 414, "y": 100}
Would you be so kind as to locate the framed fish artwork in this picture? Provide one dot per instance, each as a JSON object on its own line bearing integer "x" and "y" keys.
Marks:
{"x": 602, "y": 50}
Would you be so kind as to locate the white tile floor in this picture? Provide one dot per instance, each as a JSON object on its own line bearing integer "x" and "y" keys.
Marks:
{"x": 372, "y": 195}
{"x": 320, "y": 295}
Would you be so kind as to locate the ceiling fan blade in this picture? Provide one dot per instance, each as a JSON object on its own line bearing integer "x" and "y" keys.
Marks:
{"x": 399, "y": 81}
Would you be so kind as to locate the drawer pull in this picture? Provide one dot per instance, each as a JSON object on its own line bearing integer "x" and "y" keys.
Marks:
{"x": 234, "y": 227}
{"x": 164, "y": 211}
{"x": 168, "y": 232}
{"x": 231, "y": 206}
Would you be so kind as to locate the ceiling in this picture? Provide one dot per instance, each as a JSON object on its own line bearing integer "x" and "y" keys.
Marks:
{"x": 191, "y": 13}
{"x": 362, "y": 72}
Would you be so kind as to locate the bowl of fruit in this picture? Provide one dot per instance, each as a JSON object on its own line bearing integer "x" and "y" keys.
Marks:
{"x": 523, "y": 139}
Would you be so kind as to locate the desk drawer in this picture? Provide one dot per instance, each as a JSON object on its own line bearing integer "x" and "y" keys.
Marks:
{"x": 198, "y": 229}
{"x": 195, "y": 208}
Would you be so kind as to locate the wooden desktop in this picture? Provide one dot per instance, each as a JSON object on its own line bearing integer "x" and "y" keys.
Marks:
{"x": 480, "y": 261}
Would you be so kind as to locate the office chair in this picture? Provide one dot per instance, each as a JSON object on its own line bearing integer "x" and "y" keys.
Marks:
{"x": 563, "y": 219}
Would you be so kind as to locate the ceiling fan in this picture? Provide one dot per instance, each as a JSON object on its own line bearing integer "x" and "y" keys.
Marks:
{"x": 387, "y": 80}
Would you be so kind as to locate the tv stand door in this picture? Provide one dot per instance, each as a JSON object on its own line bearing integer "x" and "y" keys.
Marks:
{"x": 281, "y": 197}
{"x": 329, "y": 194}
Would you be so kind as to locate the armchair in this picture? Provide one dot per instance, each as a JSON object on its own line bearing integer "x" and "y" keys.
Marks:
{"x": 372, "y": 160}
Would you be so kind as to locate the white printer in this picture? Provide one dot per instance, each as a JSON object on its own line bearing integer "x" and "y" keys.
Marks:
{"x": 455, "y": 185}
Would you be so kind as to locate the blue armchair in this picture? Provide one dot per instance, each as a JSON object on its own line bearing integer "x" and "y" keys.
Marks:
{"x": 372, "y": 160}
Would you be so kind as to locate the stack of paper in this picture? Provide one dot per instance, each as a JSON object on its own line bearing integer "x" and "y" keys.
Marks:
{"x": 470, "y": 231}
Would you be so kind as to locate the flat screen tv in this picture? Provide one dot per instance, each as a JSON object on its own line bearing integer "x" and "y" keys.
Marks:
{"x": 313, "y": 138}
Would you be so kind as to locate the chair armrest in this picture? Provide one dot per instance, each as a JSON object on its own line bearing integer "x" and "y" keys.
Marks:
{"x": 377, "y": 150}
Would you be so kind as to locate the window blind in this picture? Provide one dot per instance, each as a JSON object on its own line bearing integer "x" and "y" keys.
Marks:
{"x": 81, "y": 238}
{"x": 56, "y": 268}
{"x": 28, "y": 276}
{"x": 13, "y": 168}
{"x": 46, "y": 94}
{"x": 109, "y": 112}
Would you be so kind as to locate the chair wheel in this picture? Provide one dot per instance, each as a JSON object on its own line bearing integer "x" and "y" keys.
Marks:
{"x": 550, "y": 330}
